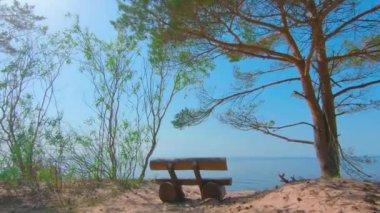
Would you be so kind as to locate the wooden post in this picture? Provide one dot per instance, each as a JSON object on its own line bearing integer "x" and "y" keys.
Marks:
{"x": 167, "y": 192}
{"x": 198, "y": 176}
{"x": 213, "y": 190}
{"x": 171, "y": 191}
{"x": 180, "y": 195}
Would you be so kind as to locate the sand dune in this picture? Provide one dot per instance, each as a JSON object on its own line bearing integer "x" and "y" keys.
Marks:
{"x": 309, "y": 196}
{"x": 338, "y": 195}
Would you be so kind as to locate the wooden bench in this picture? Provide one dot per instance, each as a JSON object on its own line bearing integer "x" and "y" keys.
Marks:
{"x": 171, "y": 188}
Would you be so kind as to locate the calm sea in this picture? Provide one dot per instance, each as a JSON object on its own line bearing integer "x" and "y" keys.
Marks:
{"x": 262, "y": 173}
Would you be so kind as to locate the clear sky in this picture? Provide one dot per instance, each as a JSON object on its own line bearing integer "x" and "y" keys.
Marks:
{"x": 361, "y": 132}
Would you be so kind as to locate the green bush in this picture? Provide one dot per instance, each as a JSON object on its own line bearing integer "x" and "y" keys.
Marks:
{"x": 10, "y": 176}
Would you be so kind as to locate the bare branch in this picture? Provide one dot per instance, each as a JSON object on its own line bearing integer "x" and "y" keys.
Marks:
{"x": 352, "y": 107}
{"x": 351, "y": 163}
{"x": 229, "y": 28}
{"x": 245, "y": 120}
{"x": 255, "y": 21}
{"x": 267, "y": 132}
{"x": 286, "y": 32}
{"x": 356, "y": 87}
{"x": 221, "y": 100}
{"x": 333, "y": 5}
{"x": 351, "y": 21}
{"x": 188, "y": 117}
{"x": 354, "y": 53}
{"x": 275, "y": 128}
{"x": 286, "y": 180}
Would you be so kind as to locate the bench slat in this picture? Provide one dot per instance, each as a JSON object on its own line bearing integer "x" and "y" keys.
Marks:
{"x": 220, "y": 181}
{"x": 187, "y": 163}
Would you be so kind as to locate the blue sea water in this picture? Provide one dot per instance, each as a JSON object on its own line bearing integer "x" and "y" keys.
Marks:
{"x": 262, "y": 173}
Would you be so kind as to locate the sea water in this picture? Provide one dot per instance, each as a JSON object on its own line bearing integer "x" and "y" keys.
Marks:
{"x": 263, "y": 173}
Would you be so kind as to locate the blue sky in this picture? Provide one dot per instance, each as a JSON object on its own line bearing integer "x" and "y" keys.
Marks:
{"x": 361, "y": 132}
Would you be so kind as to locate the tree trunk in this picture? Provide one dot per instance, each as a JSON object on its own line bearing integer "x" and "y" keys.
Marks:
{"x": 328, "y": 144}
{"x": 325, "y": 135}
{"x": 327, "y": 151}
{"x": 321, "y": 107}
{"x": 146, "y": 160}
{"x": 112, "y": 131}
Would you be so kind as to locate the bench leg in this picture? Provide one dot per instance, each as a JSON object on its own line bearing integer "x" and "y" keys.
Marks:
{"x": 169, "y": 192}
{"x": 213, "y": 190}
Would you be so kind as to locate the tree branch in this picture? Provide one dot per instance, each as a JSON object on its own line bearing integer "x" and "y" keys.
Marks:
{"x": 267, "y": 132}
{"x": 330, "y": 8}
{"x": 286, "y": 32}
{"x": 255, "y": 21}
{"x": 248, "y": 49}
{"x": 189, "y": 117}
{"x": 352, "y": 20}
{"x": 275, "y": 128}
{"x": 221, "y": 100}
{"x": 355, "y": 53}
{"x": 243, "y": 119}
{"x": 356, "y": 87}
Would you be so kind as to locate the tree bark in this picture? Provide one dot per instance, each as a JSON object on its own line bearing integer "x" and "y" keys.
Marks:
{"x": 325, "y": 135}
{"x": 328, "y": 148}
{"x": 325, "y": 132}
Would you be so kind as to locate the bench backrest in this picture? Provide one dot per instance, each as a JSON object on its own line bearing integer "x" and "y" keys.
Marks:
{"x": 188, "y": 164}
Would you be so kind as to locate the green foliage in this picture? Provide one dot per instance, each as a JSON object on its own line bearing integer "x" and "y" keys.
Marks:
{"x": 189, "y": 117}
{"x": 369, "y": 44}
{"x": 33, "y": 60}
{"x": 233, "y": 56}
{"x": 111, "y": 149}
{"x": 16, "y": 20}
{"x": 41, "y": 148}
{"x": 45, "y": 175}
{"x": 269, "y": 40}
{"x": 10, "y": 174}
{"x": 192, "y": 68}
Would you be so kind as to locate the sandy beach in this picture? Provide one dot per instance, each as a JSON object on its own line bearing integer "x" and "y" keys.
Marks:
{"x": 338, "y": 195}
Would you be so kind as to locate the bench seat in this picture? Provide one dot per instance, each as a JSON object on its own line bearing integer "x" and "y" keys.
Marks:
{"x": 187, "y": 164}
{"x": 191, "y": 181}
